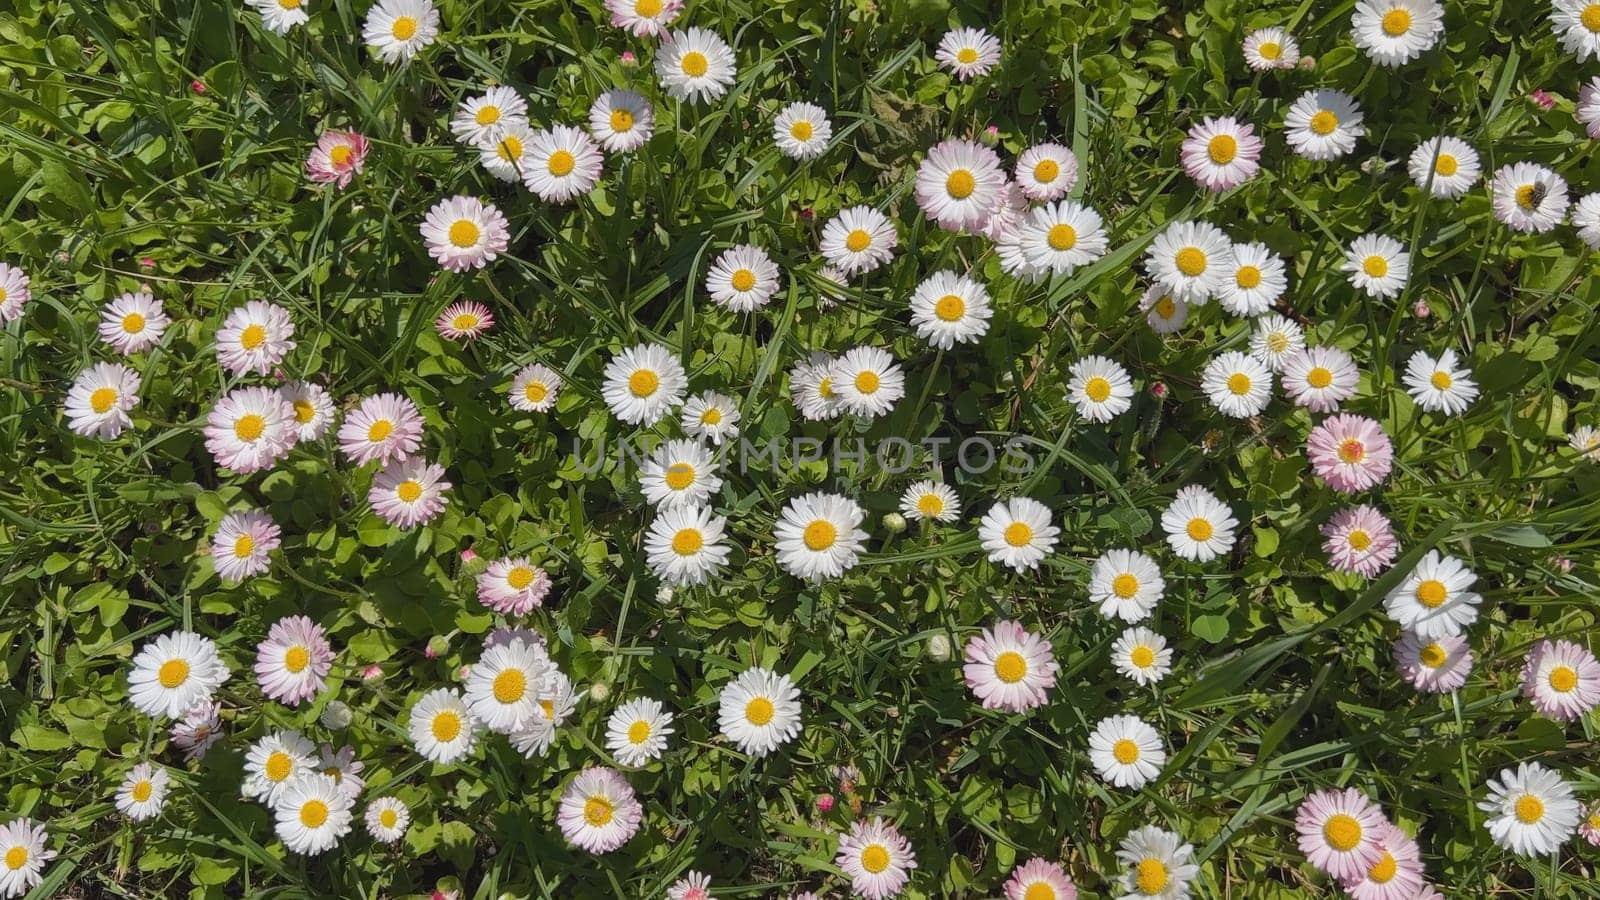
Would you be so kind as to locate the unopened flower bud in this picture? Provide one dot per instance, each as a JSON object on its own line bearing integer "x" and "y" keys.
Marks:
{"x": 894, "y": 523}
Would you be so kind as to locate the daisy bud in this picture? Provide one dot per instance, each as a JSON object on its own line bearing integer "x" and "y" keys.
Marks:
{"x": 1420, "y": 309}
{"x": 336, "y": 716}
{"x": 198, "y": 86}
{"x": 939, "y": 648}
{"x": 437, "y": 646}
{"x": 1158, "y": 389}
{"x": 1541, "y": 99}
{"x": 1308, "y": 62}
{"x": 628, "y": 59}
{"x": 468, "y": 555}
{"x": 664, "y": 594}
{"x": 600, "y": 691}
{"x": 807, "y": 213}
{"x": 464, "y": 672}
{"x": 1564, "y": 564}
{"x": 894, "y": 523}
{"x": 824, "y": 803}
{"x": 147, "y": 262}
{"x": 372, "y": 672}
{"x": 990, "y": 136}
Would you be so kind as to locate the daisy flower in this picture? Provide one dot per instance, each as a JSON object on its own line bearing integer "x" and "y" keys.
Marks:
{"x": 642, "y": 383}
{"x": 1397, "y": 875}
{"x": 408, "y": 492}
{"x": 644, "y": 18}
{"x": 818, "y": 536}
{"x": 173, "y": 672}
{"x": 759, "y": 711}
{"x": 14, "y": 293}
{"x": 1017, "y": 533}
{"x": 830, "y": 285}
{"x": 693, "y": 886}
{"x": 930, "y": 500}
{"x": 142, "y": 794}
{"x": 441, "y": 726}
{"x": 1588, "y": 107}
{"x": 1360, "y": 540}
{"x": 465, "y": 233}
{"x": 876, "y": 857}
{"x": 1126, "y": 752}
{"x": 508, "y": 154}
{"x": 684, "y": 545}
{"x": 802, "y": 131}
{"x": 1046, "y": 172}
{"x": 557, "y": 701}
{"x": 742, "y": 279}
{"x": 1577, "y": 24}
{"x": 313, "y": 409}
{"x": 621, "y": 121}
{"x": 1446, "y": 167}
{"x": 637, "y": 731}
{"x": 198, "y": 730}
{"x": 1258, "y": 280}
{"x": 384, "y": 428}
{"x": 711, "y": 416}
{"x": 1164, "y": 312}
{"x": 968, "y": 52}
{"x": 502, "y": 688}
{"x": 858, "y": 239}
{"x": 868, "y": 381}
{"x": 1058, "y": 238}
{"x": 312, "y": 815}
{"x": 399, "y": 29}
{"x": 292, "y": 664}
{"x": 1275, "y": 339}
{"x": 1324, "y": 124}
{"x": 695, "y": 65}
{"x": 387, "y": 818}
{"x": 276, "y": 761}
{"x": 463, "y": 320}
{"x": 1440, "y": 385}
{"x": 1529, "y": 197}
{"x": 563, "y": 164}
{"x": 1394, "y": 32}
{"x": 100, "y": 398}
{"x": 1238, "y": 385}
{"x": 947, "y": 309}
{"x": 1562, "y": 679}
{"x": 679, "y": 473}
{"x": 1010, "y": 668}
{"x": 513, "y": 587}
{"x": 133, "y": 322}
{"x": 343, "y": 767}
{"x": 1040, "y": 879}
{"x": 1339, "y": 832}
{"x": 1433, "y": 600}
{"x": 1126, "y": 584}
{"x": 1585, "y": 439}
{"x": 1271, "y": 48}
{"x": 1198, "y": 525}
{"x": 1351, "y": 453}
{"x": 254, "y": 338}
{"x": 1586, "y": 218}
{"x": 958, "y": 183}
{"x": 279, "y": 16}
{"x": 811, "y": 388}
{"x": 1159, "y": 865}
{"x": 599, "y": 811}
{"x": 479, "y": 120}
{"x": 1221, "y": 154}
{"x": 1532, "y": 811}
{"x": 1099, "y": 388}
{"x": 534, "y": 388}
{"x": 1320, "y": 378}
{"x": 242, "y": 545}
{"x": 1436, "y": 666}
{"x": 1142, "y": 655}
{"x": 1378, "y": 265}
{"x": 25, "y": 853}
{"x": 1191, "y": 260}
{"x": 1010, "y": 208}
{"x": 338, "y": 156}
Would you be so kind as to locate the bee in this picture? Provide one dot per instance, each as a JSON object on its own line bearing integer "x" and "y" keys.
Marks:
{"x": 1536, "y": 193}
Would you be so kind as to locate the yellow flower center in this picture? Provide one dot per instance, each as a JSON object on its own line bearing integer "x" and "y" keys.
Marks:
{"x": 1352, "y": 451}
{"x": 519, "y": 577}
{"x": 278, "y": 766}
{"x": 1383, "y": 871}
{"x": 694, "y": 64}
{"x": 1277, "y": 342}
{"x": 1433, "y": 656}
{"x": 930, "y": 505}
{"x": 289, "y": 4}
{"x": 597, "y": 811}
{"x": 1046, "y": 170}
{"x": 1247, "y": 277}
{"x": 142, "y": 790}
{"x": 950, "y": 308}
{"x": 679, "y": 475}
{"x": 1591, "y": 18}
{"x": 404, "y": 28}
{"x": 758, "y": 711}
{"x": 1396, "y": 22}
{"x": 1563, "y": 679}
{"x": 1125, "y": 751}
{"x": 1222, "y": 149}
{"x": 867, "y": 382}
{"x": 858, "y": 241}
{"x": 1432, "y": 593}
{"x": 1151, "y": 877}
{"x": 1097, "y": 389}
{"x": 643, "y": 383}
{"x": 875, "y": 858}
{"x": 487, "y": 114}
{"x": 1530, "y": 809}
{"x": 1440, "y": 380}
{"x": 1127, "y": 584}
{"x": 1192, "y": 261}
{"x": 379, "y": 430}
{"x": 548, "y": 709}
{"x": 103, "y": 399}
{"x": 446, "y": 726}
{"x": 960, "y": 184}
{"x": 388, "y": 818}
{"x": 296, "y": 658}
{"x": 253, "y": 337}
{"x": 621, "y": 120}
{"x": 825, "y": 388}
{"x": 1446, "y": 165}
{"x": 1166, "y": 307}
{"x": 173, "y": 673}
{"x": 1319, "y": 377}
{"x": 1359, "y": 540}
{"x": 339, "y": 155}
{"x": 1525, "y": 197}
{"x": 639, "y": 732}
{"x": 313, "y": 813}
{"x": 409, "y": 490}
{"x": 464, "y": 233}
{"x": 1200, "y": 529}
{"x": 1039, "y": 891}
{"x": 712, "y": 416}
{"x": 1010, "y": 667}
{"x": 966, "y": 56}
{"x": 243, "y": 546}
{"x": 535, "y": 391}
{"x": 510, "y": 686}
{"x": 1061, "y": 237}
{"x": 249, "y": 427}
{"x": 133, "y": 323}
{"x": 743, "y": 280}
{"x": 304, "y": 412}
{"x": 510, "y": 148}
{"x": 561, "y": 163}
{"x": 1019, "y": 534}
{"x": 1342, "y": 832}
{"x": 1324, "y": 122}
{"x": 16, "y": 858}
{"x": 687, "y": 541}
{"x": 801, "y": 130}
{"x": 1375, "y": 266}
{"x": 820, "y": 535}
{"x": 1142, "y": 657}
{"x": 1238, "y": 384}
{"x": 647, "y": 8}
{"x": 1270, "y": 50}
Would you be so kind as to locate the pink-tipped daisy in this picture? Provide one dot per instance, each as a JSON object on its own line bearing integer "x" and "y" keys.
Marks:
{"x": 877, "y": 859}
{"x": 1436, "y": 666}
{"x": 1010, "y": 668}
{"x": 133, "y": 322}
{"x": 1320, "y": 378}
{"x": 254, "y": 338}
{"x": 1360, "y": 540}
{"x": 250, "y": 429}
{"x": 644, "y": 18}
{"x": 465, "y": 233}
{"x": 1562, "y": 679}
{"x": 408, "y": 492}
{"x": 1397, "y": 874}
{"x": 1221, "y": 154}
{"x": 384, "y": 428}
{"x": 1040, "y": 879}
{"x": 463, "y": 320}
{"x": 337, "y": 158}
{"x": 513, "y": 587}
{"x": 313, "y": 409}
{"x": 243, "y": 544}
{"x": 292, "y": 664}
{"x": 1340, "y": 832}
{"x": 1351, "y": 453}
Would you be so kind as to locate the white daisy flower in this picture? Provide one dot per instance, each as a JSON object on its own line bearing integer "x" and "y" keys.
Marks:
{"x": 679, "y": 473}
{"x": 1275, "y": 339}
{"x": 1257, "y": 281}
{"x": 1056, "y": 238}
{"x": 958, "y": 183}
{"x": 968, "y": 52}
{"x": 563, "y": 163}
{"x": 313, "y": 814}
{"x": 1434, "y": 600}
{"x": 643, "y": 383}
{"x": 174, "y": 672}
{"x": 399, "y": 29}
{"x": 1099, "y": 388}
{"x": 1440, "y": 384}
{"x": 599, "y": 811}
{"x": 930, "y": 500}
{"x": 637, "y": 731}
{"x": 1585, "y": 439}
{"x": 506, "y": 155}
{"x": 1142, "y": 655}
{"x": 276, "y": 761}
{"x": 254, "y": 338}
{"x": 341, "y": 765}
{"x": 281, "y": 16}
{"x": 1562, "y": 679}
{"x": 1324, "y": 124}
{"x": 711, "y": 416}
{"x": 313, "y": 409}
{"x": 695, "y": 65}
{"x": 1271, "y": 48}
{"x": 759, "y": 711}
{"x": 1577, "y": 24}
{"x": 408, "y": 492}
{"x": 684, "y": 545}
{"x": 479, "y": 120}
{"x": 22, "y": 847}
{"x": 465, "y": 233}
{"x": 744, "y": 278}
{"x": 811, "y": 388}
{"x": 877, "y": 858}
{"x": 819, "y": 536}
{"x": 1378, "y": 265}
{"x": 383, "y": 428}
{"x": 1221, "y": 153}
{"x": 133, "y": 322}
{"x": 644, "y": 18}
{"x": 534, "y": 388}
{"x": 1445, "y": 166}
{"x": 1126, "y": 752}
{"x": 1007, "y": 667}
{"x": 441, "y": 726}
{"x": 1320, "y": 378}
{"x": 387, "y": 818}
{"x": 1532, "y": 812}
{"x": 1198, "y": 525}
{"x": 100, "y": 399}
{"x": 242, "y": 545}
{"x": 143, "y": 792}
{"x": 557, "y": 702}
{"x": 1238, "y": 385}
{"x": 14, "y": 293}
{"x": 858, "y": 239}
{"x": 622, "y": 121}
{"x": 1529, "y": 197}
{"x": 1017, "y": 533}
{"x": 1586, "y": 218}
{"x": 1588, "y": 112}
{"x": 802, "y": 131}
{"x": 502, "y": 690}
{"x": 1126, "y": 584}
{"x": 949, "y": 309}
{"x": 1159, "y": 865}
{"x": 868, "y": 381}
{"x": 1046, "y": 172}
{"x": 1191, "y": 260}
{"x": 1394, "y": 32}
{"x": 1164, "y": 313}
